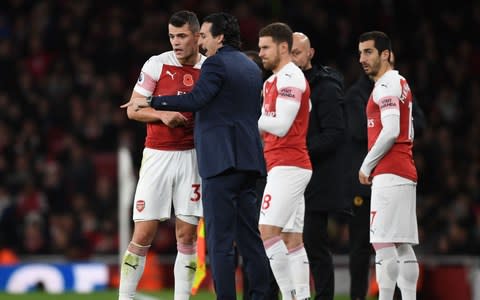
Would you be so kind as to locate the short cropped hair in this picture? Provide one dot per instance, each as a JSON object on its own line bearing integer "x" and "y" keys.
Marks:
{"x": 226, "y": 24}
{"x": 280, "y": 32}
{"x": 381, "y": 40}
{"x": 183, "y": 17}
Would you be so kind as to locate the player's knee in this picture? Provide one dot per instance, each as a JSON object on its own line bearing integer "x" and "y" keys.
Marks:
{"x": 387, "y": 268}
{"x": 186, "y": 229}
{"x": 408, "y": 267}
{"x": 186, "y": 235}
{"x": 143, "y": 238}
{"x": 185, "y": 238}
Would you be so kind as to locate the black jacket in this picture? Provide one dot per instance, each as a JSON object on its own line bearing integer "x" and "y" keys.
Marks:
{"x": 356, "y": 99}
{"x": 326, "y": 142}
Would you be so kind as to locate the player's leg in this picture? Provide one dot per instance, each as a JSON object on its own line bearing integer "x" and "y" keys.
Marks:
{"x": 277, "y": 254}
{"x": 386, "y": 268}
{"x": 408, "y": 265}
{"x": 186, "y": 260}
{"x": 152, "y": 203}
{"x": 319, "y": 255}
{"x": 382, "y": 213}
{"x": 408, "y": 271}
{"x": 299, "y": 266}
{"x": 187, "y": 201}
{"x": 297, "y": 256}
{"x": 393, "y": 220}
{"x": 283, "y": 193}
{"x": 133, "y": 262}
{"x": 274, "y": 214}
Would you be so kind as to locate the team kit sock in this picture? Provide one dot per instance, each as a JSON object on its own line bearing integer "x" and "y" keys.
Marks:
{"x": 300, "y": 271}
{"x": 408, "y": 272}
{"x": 184, "y": 270}
{"x": 386, "y": 268}
{"x": 131, "y": 270}
{"x": 277, "y": 254}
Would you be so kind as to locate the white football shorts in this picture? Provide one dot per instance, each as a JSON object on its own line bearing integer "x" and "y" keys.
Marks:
{"x": 283, "y": 203}
{"x": 393, "y": 217}
{"x": 166, "y": 178}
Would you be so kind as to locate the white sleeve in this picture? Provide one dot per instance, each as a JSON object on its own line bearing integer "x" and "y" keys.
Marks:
{"x": 149, "y": 76}
{"x": 386, "y": 139}
{"x": 280, "y": 124}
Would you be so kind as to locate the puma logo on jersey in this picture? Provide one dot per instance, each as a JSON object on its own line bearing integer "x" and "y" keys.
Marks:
{"x": 172, "y": 75}
{"x": 370, "y": 123}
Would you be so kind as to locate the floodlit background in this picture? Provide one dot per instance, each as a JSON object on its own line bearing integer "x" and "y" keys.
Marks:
{"x": 66, "y": 66}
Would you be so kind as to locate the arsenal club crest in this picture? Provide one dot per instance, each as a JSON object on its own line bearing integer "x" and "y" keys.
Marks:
{"x": 188, "y": 79}
{"x": 140, "y": 205}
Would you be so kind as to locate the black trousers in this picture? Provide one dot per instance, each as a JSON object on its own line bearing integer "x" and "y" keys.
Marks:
{"x": 273, "y": 291}
{"x": 230, "y": 210}
{"x": 315, "y": 238}
{"x": 360, "y": 248}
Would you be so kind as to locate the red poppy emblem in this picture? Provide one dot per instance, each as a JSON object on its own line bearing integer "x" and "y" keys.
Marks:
{"x": 188, "y": 79}
{"x": 140, "y": 205}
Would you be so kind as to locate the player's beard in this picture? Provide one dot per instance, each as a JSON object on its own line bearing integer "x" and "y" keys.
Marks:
{"x": 374, "y": 69}
{"x": 272, "y": 64}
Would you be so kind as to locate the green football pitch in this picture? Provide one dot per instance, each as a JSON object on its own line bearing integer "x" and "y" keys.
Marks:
{"x": 112, "y": 295}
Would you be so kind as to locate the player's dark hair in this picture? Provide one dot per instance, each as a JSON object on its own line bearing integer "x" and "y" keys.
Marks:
{"x": 226, "y": 24}
{"x": 381, "y": 40}
{"x": 183, "y": 17}
{"x": 280, "y": 32}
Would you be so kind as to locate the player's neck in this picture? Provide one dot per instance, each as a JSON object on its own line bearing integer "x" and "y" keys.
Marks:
{"x": 383, "y": 69}
{"x": 281, "y": 64}
{"x": 192, "y": 60}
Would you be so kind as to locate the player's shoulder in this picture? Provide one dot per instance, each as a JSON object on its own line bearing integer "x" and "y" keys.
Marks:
{"x": 291, "y": 75}
{"x": 388, "y": 85}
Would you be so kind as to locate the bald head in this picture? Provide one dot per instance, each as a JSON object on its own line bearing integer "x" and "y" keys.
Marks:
{"x": 302, "y": 39}
{"x": 302, "y": 51}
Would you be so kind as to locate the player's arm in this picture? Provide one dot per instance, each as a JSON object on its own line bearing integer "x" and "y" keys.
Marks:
{"x": 390, "y": 118}
{"x": 279, "y": 125}
{"x": 385, "y": 141}
{"x": 149, "y": 115}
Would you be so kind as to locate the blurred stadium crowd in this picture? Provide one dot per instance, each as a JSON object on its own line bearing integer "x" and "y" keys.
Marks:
{"x": 66, "y": 66}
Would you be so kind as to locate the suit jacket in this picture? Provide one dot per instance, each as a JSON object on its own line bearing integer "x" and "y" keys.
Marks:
{"x": 326, "y": 142}
{"x": 227, "y": 101}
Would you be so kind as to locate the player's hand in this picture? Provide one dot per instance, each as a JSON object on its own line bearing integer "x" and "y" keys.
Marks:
{"x": 364, "y": 179}
{"x": 136, "y": 103}
{"x": 173, "y": 119}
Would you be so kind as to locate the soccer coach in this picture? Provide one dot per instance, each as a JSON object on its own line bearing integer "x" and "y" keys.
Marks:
{"x": 226, "y": 99}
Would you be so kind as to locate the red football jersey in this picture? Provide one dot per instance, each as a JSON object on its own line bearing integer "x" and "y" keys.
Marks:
{"x": 291, "y": 149}
{"x": 164, "y": 75}
{"x": 399, "y": 159}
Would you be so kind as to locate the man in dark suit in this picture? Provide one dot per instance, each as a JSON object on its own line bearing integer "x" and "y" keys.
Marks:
{"x": 226, "y": 99}
{"x": 325, "y": 194}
